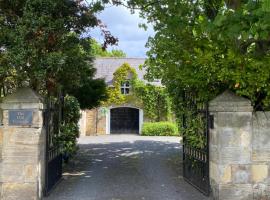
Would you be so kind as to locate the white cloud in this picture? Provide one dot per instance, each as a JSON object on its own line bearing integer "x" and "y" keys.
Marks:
{"x": 124, "y": 26}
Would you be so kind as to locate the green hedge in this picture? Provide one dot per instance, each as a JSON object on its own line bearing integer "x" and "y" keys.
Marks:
{"x": 160, "y": 129}
{"x": 70, "y": 127}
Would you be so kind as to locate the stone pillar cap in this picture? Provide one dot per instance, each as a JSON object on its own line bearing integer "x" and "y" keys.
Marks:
{"x": 230, "y": 102}
{"x": 23, "y": 95}
{"x": 22, "y": 98}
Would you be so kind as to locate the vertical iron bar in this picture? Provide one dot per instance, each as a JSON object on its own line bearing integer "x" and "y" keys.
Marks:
{"x": 207, "y": 147}
{"x": 196, "y": 159}
{"x": 53, "y": 156}
{"x": 184, "y": 126}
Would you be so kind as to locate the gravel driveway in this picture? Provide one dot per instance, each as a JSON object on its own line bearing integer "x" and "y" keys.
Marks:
{"x": 126, "y": 167}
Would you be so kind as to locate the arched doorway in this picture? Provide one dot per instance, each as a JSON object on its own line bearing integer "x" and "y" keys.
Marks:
{"x": 124, "y": 120}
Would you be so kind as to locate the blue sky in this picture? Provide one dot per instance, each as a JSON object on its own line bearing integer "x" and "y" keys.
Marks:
{"x": 124, "y": 26}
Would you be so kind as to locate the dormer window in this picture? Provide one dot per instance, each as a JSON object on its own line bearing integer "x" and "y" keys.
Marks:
{"x": 125, "y": 87}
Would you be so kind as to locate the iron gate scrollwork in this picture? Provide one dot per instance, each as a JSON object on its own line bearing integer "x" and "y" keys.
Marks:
{"x": 196, "y": 142}
{"x": 53, "y": 118}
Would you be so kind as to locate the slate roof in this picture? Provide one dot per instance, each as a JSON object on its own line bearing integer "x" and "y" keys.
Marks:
{"x": 107, "y": 66}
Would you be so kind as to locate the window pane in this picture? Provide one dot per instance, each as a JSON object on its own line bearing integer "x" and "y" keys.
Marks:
{"x": 127, "y": 84}
{"x": 127, "y": 90}
{"x": 122, "y": 91}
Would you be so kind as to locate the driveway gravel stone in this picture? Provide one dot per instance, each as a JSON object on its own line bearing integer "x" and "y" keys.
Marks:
{"x": 126, "y": 167}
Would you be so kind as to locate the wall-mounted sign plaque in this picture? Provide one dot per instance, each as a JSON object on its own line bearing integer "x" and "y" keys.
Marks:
{"x": 20, "y": 117}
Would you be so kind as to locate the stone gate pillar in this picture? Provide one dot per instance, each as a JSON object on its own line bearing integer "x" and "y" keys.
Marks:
{"x": 231, "y": 147}
{"x": 22, "y": 138}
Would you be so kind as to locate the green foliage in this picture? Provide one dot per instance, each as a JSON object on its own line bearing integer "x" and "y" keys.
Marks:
{"x": 195, "y": 132}
{"x": 41, "y": 46}
{"x": 160, "y": 129}
{"x": 98, "y": 51}
{"x": 91, "y": 93}
{"x": 208, "y": 46}
{"x": 70, "y": 128}
{"x": 154, "y": 100}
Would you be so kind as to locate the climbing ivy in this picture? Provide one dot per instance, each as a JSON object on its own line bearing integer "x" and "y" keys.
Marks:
{"x": 156, "y": 101}
{"x": 153, "y": 99}
{"x": 123, "y": 73}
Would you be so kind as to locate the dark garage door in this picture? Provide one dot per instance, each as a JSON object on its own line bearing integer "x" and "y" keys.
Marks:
{"x": 124, "y": 120}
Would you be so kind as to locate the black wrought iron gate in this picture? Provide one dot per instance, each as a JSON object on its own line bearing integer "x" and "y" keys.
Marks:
{"x": 53, "y": 166}
{"x": 196, "y": 121}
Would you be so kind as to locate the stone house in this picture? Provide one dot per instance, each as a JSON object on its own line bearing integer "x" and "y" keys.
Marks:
{"x": 126, "y": 118}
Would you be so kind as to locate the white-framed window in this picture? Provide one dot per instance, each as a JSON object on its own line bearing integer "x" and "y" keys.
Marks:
{"x": 125, "y": 87}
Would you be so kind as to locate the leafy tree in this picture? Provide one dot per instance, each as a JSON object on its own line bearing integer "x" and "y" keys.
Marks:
{"x": 41, "y": 45}
{"x": 98, "y": 51}
{"x": 208, "y": 46}
{"x": 91, "y": 93}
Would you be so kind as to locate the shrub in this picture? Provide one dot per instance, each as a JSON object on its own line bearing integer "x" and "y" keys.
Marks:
{"x": 160, "y": 129}
{"x": 70, "y": 127}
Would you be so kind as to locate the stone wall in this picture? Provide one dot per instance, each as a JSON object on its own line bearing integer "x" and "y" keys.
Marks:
{"x": 101, "y": 124}
{"x": 239, "y": 150}
{"x": 22, "y": 148}
{"x": 90, "y": 122}
{"x": 95, "y": 122}
{"x": 261, "y": 155}
{"x": 82, "y": 123}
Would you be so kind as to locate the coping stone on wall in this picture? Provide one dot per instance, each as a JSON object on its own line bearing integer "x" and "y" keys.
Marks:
{"x": 22, "y": 98}
{"x": 230, "y": 102}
